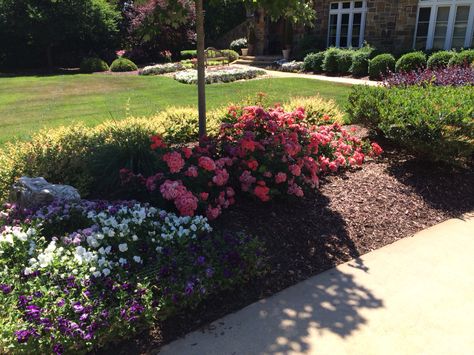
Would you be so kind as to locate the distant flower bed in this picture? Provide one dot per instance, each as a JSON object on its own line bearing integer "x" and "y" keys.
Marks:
{"x": 292, "y": 67}
{"x": 220, "y": 75}
{"x": 161, "y": 69}
{"x": 461, "y": 75}
{"x": 75, "y": 276}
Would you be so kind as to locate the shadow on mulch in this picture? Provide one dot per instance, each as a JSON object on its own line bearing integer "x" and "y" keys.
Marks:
{"x": 352, "y": 214}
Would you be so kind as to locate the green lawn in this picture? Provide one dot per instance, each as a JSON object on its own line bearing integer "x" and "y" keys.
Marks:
{"x": 29, "y": 103}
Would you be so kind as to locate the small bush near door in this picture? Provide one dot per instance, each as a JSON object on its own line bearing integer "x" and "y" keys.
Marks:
{"x": 381, "y": 65}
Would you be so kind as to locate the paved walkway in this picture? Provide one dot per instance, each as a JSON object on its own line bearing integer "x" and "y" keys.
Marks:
{"x": 415, "y": 296}
{"x": 334, "y": 79}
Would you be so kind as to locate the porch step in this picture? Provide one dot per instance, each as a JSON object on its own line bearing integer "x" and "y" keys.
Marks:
{"x": 258, "y": 61}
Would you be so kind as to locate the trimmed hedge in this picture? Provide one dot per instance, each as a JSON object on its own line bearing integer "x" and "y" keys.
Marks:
{"x": 381, "y": 65}
{"x": 314, "y": 62}
{"x": 331, "y": 60}
{"x": 463, "y": 58}
{"x": 123, "y": 65}
{"x": 440, "y": 59}
{"x": 344, "y": 61}
{"x": 411, "y": 61}
{"x": 188, "y": 54}
{"x": 435, "y": 122}
{"x": 360, "y": 63}
{"x": 92, "y": 65}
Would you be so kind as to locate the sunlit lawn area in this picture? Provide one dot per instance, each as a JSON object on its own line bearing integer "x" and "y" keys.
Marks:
{"x": 29, "y": 103}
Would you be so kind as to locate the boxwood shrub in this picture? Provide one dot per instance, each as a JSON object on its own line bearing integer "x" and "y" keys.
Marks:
{"x": 411, "y": 61}
{"x": 92, "y": 65}
{"x": 189, "y": 54}
{"x": 465, "y": 57}
{"x": 314, "y": 62}
{"x": 123, "y": 65}
{"x": 440, "y": 59}
{"x": 331, "y": 60}
{"x": 344, "y": 61}
{"x": 360, "y": 63}
{"x": 436, "y": 122}
{"x": 380, "y": 65}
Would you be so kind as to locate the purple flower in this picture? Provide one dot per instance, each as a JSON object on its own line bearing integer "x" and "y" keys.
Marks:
{"x": 23, "y": 335}
{"x": 38, "y": 294}
{"x": 77, "y": 307}
{"x": 58, "y": 349}
{"x": 209, "y": 272}
{"x": 189, "y": 289}
{"x": 61, "y": 302}
{"x": 33, "y": 312}
{"x": 201, "y": 260}
{"x": 6, "y": 289}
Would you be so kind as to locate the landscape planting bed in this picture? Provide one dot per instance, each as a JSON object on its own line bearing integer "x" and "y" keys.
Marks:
{"x": 354, "y": 213}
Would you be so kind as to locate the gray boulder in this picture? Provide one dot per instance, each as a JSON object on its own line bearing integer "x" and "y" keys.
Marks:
{"x": 34, "y": 192}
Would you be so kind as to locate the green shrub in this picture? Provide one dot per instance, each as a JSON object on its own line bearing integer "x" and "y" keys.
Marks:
{"x": 360, "y": 63}
{"x": 331, "y": 60}
{"x": 189, "y": 54}
{"x": 233, "y": 55}
{"x": 436, "y": 122}
{"x": 465, "y": 57}
{"x": 314, "y": 62}
{"x": 319, "y": 111}
{"x": 411, "y": 61}
{"x": 440, "y": 59}
{"x": 344, "y": 61}
{"x": 123, "y": 65}
{"x": 92, "y": 65}
{"x": 381, "y": 65}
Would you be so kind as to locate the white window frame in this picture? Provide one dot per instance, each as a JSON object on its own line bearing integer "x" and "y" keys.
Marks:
{"x": 453, "y": 5}
{"x": 351, "y": 11}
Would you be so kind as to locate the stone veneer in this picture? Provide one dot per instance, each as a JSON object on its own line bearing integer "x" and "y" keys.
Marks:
{"x": 390, "y": 24}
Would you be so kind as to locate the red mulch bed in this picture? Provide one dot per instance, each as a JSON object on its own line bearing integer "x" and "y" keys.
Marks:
{"x": 353, "y": 214}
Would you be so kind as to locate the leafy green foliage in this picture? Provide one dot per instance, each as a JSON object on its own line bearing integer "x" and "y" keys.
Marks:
{"x": 434, "y": 122}
{"x": 32, "y": 32}
{"x": 360, "y": 64}
{"x": 331, "y": 60}
{"x": 314, "y": 62}
{"x": 440, "y": 59}
{"x": 92, "y": 65}
{"x": 465, "y": 57}
{"x": 381, "y": 65}
{"x": 123, "y": 65}
{"x": 411, "y": 61}
{"x": 344, "y": 61}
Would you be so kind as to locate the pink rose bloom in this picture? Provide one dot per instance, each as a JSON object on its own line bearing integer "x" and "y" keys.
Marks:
{"x": 352, "y": 161}
{"x": 186, "y": 203}
{"x": 292, "y": 148}
{"x": 175, "y": 161}
{"x": 207, "y": 163}
{"x": 252, "y": 164}
{"x": 267, "y": 174}
{"x": 248, "y": 144}
{"x": 230, "y": 192}
{"x": 213, "y": 213}
{"x": 280, "y": 178}
{"x": 204, "y": 196}
{"x": 192, "y": 171}
{"x": 172, "y": 189}
{"x": 359, "y": 158}
{"x": 187, "y": 152}
{"x": 295, "y": 170}
{"x": 376, "y": 149}
{"x": 262, "y": 192}
{"x": 247, "y": 178}
{"x": 296, "y": 190}
{"x": 221, "y": 177}
{"x": 333, "y": 166}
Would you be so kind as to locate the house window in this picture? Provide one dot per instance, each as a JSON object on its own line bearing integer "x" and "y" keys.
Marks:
{"x": 444, "y": 24}
{"x": 346, "y": 23}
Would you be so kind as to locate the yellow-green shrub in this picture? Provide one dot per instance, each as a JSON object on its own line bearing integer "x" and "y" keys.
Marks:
{"x": 317, "y": 109}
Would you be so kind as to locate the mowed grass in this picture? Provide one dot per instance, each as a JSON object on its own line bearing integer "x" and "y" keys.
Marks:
{"x": 30, "y": 103}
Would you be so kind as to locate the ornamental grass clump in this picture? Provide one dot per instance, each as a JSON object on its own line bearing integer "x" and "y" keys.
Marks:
{"x": 78, "y": 276}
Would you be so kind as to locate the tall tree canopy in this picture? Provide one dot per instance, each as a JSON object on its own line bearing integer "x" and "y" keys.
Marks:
{"x": 32, "y": 31}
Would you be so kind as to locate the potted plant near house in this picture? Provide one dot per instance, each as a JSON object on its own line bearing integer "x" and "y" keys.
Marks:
{"x": 287, "y": 40}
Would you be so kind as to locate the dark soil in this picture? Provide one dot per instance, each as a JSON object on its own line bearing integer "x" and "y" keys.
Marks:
{"x": 353, "y": 214}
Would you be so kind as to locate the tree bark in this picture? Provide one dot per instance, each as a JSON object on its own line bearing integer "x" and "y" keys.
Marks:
{"x": 201, "y": 68}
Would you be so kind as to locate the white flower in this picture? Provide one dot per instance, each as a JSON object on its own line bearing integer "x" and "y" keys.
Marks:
{"x": 96, "y": 273}
{"x": 122, "y": 261}
{"x": 134, "y": 237}
{"x": 137, "y": 259}
{"x": 159, "y": 249}
{"x": 106, "y": 272}
{"x": 123, "y": 247}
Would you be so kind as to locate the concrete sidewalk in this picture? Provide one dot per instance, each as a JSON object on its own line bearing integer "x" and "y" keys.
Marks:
{"x": 415, "y": 296}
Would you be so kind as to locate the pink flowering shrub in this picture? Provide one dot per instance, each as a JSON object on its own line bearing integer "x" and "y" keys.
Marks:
{"x": 278, "y": 153}
{"x": 262, "y": 153}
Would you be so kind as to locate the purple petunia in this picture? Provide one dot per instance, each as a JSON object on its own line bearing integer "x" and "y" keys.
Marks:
{"x": 6, "y": 289}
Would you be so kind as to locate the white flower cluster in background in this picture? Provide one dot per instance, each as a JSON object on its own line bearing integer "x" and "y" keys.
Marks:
{"x": 292, "y": 67}
{"x": 161, "y": 69}
{"x": 221, "y": 75}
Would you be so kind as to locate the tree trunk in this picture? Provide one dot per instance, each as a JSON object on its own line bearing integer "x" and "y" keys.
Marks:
{"x": 201, "y": 69}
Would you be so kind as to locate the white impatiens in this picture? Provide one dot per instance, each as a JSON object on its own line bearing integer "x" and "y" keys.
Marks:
{"x": 220, "y": 75}
{"x": 117, "y": 237}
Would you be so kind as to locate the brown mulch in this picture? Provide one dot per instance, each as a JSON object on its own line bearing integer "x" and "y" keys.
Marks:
{"x": 353, "y": 214}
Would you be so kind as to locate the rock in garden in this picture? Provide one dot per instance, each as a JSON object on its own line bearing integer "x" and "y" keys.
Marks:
{"x": 34, "y": 192}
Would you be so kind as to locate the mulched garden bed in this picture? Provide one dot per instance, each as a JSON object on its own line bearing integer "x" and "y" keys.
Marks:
{"x": 354, "y": 213}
